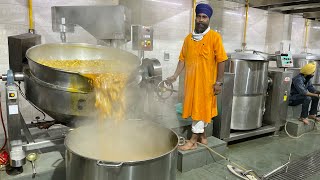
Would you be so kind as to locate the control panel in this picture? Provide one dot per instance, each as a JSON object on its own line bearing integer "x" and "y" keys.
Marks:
{"x": 284, "y": 60}
{"x": 142, "y": 38}
{"x": 278, "y": 97}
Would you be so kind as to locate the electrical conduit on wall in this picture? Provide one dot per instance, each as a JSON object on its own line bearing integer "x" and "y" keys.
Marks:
{"x": 193, "y": 14}
{"x": 244, "y": 44}
{"x": 305, "y": 47}
{"x": 31, "y": 25}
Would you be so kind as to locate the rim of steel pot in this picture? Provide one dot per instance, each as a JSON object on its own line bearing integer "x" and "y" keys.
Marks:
{"x": 306, "y": 56}
{"x": 246, "y": 56}
{"x": 71, "y": 44}
{"x": 117, "y": 164}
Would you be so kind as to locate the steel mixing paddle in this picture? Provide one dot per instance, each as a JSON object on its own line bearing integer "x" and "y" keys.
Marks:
{"x": 32, "y": 157}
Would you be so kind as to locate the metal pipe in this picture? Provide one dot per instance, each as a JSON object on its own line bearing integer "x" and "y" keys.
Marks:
{"x": 141, "y": 55}
{"x": 17, "y": 77}
{"x": 43, "y": 144}
{"x": 307, "y": 23}
{"x": 31, "y": 26}
{"x": 63, "y": 36}
{"x": 244, "y": 44}
{"x": 277, "y": 169}
{"x": 193, "y": 14}
{"x": 4, "y": 77}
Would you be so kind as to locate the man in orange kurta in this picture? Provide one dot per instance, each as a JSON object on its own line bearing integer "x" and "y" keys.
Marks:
{"x": 202, "y": 56}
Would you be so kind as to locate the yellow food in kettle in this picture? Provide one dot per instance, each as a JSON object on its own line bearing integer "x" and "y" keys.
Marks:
{"x": 107, "y": 78}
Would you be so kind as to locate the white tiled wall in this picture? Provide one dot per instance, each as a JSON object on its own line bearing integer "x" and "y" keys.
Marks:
{"x": 171, "y": 20}
{"x": 298, "y": 34}
{"x": 314, "y": 37}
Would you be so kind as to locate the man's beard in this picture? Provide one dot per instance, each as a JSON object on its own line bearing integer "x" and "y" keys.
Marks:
{"x": 308, "y": 77}
{"x": 201, "y": 27}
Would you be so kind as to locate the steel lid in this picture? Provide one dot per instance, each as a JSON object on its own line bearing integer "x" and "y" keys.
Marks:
{"x": 247, "y": 56}
{"x": 306, "y": 56}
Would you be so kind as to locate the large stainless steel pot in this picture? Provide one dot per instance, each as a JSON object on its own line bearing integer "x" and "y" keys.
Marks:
{"x": 128, "y": 150}
{"x": 66, "y": 95}
{"x": 250, "y": 87}
{"x": 299, "y": 60}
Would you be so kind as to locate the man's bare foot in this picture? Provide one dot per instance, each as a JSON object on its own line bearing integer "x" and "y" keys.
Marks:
{"x": 203, "y": 139}
{"x": 304, "y": 120}
{"x": 188, "y": 146}
{"x": 314, "y": 117}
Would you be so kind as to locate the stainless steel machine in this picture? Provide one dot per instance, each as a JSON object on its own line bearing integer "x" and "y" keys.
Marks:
{"x": 277, "y": 97}
{"x": 250, "y": 86}
{"x": 44, "y": 84}
{"x": 109, "y": 24}
{"x": 67, "y": 96}
{"x": 142, "y": 40}
{"x": 254, "y": 102}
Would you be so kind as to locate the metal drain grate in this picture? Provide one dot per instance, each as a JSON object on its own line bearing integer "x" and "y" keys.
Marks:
{"x": 300, "y": 169}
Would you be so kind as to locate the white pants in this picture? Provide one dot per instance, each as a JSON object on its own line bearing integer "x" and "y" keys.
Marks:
{"x": 198, "y": 126}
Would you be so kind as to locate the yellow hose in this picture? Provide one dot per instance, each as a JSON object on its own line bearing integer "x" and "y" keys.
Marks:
{"x": 213, "y": 151}
{"x": 223, "y": 157}
{"x": 306, "y": 34}
{"x": 228, "y": 160}
{"x": 193, "y": 14}
{"x": 245, "y": 26}
{"x": 31, "y": 27}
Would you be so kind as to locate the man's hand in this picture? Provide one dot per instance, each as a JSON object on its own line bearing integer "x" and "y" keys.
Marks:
{"x": 313, "y": 94}
{"x": 171, "y": 79}
{"x": 217, "y": 88}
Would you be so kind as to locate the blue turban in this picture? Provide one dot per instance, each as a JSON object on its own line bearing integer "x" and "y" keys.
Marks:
{"x": 205, "y": 9}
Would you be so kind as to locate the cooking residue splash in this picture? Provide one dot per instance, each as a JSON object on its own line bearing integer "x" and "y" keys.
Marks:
{"x": 108, "y": 77}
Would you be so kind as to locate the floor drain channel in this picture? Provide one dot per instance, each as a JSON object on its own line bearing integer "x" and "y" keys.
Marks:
{"x": 300, "y": 169}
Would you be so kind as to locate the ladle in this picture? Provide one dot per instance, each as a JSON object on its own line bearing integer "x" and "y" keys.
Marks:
{"x": 32, "y": 157}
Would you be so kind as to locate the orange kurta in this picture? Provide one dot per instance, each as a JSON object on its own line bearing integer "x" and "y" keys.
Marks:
{"x": 201, "y": 60}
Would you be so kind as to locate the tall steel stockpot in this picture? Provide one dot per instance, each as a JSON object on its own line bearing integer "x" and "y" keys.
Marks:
{"x": 250, "y": 87}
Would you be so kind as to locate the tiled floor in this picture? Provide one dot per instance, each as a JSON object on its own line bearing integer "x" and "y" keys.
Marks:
{"x": 261, "y": 154}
